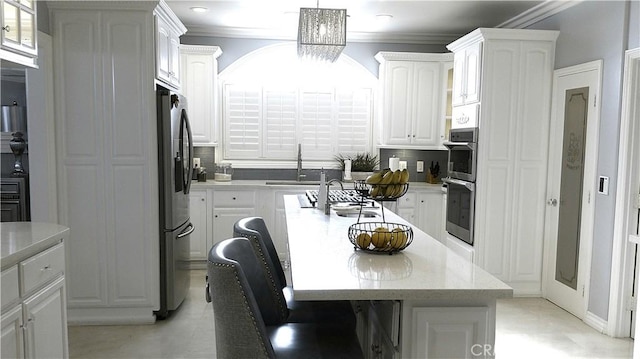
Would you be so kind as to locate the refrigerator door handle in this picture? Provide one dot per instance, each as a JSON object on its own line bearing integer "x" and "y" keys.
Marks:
{"x": 184, "y": 124}
{"x": 190, "y": 228}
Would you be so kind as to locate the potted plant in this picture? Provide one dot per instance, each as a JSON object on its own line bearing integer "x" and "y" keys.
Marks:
{"x": 362, "y": 164}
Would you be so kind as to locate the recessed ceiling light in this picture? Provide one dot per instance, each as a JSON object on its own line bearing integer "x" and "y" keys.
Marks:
{"x": 384, "y": 17}
{"x": 199, "y": 9}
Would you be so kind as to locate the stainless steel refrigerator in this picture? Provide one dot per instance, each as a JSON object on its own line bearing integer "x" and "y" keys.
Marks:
{"x": 175, "y": 146}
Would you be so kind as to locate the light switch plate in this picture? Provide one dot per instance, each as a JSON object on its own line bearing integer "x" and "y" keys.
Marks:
{"x": 402, "y": 165}
{"x": 603, "y": 185}
{"x": 196, "y": 162}
{"x": 420, "y": 166}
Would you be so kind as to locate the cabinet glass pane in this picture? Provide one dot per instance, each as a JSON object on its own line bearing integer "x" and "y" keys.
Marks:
{"x": 10, "y": 27}
{"x": 26, "y": 27}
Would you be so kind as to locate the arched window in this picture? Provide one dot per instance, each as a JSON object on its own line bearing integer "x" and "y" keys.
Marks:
{"x": 271, "y": 101}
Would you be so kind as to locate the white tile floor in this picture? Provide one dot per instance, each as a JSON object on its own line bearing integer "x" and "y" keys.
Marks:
{"x": 526, "y": 328}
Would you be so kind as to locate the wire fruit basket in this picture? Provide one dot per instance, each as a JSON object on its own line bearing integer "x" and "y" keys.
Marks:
{"x": 380, "y": 237}
{"x": 381, "y": 192}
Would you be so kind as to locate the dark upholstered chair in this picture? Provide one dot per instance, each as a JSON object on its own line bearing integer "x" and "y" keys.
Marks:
{"x": 256, "y": 231}
{"x": 240, "y": 302}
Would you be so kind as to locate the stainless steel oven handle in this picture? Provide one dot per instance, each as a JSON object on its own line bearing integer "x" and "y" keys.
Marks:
{"x": 470, "y": 145}
{"x": 469, "y": 185}
{"x": 187, "y": 231}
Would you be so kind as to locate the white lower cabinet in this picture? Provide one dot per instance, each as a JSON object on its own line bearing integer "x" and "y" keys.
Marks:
{"x": 199, "y": 212}
{"x": 451, "y": 332}
{"x": 34, "y": 323}
{"x": 46, "y": 334}
{"x": 229, "y": 206}
{"x": 12, "y": 339}
{"x": 459, "y": 247}
{"x": 430, "y": 213}
{"x": 422, "y": 208}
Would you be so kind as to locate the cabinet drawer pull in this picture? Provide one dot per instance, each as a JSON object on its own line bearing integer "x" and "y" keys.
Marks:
{"x": 46, "y": 268}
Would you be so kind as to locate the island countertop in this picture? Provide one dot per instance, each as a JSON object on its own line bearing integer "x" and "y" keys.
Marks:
{"x": 325, "y": 265}
{"x": 21, "y": 240}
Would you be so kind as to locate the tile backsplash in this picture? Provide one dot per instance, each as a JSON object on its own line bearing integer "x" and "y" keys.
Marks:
{"x": 207, "y": 160}
{"x": 412, "y": 157}
{"x": 207, "y": 157}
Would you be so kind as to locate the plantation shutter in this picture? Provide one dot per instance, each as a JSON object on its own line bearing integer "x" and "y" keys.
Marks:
{"x": 242, "y": 114}
{"x": 279, "y": 130}
{"x": 316, "y": 124}
{"x": 354, "y": 113}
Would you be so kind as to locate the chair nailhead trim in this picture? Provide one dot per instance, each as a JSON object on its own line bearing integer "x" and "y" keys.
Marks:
{"x": 274, "y": 288}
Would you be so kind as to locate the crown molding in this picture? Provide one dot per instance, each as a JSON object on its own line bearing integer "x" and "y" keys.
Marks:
{"x": 214, "y": 51}
{"x": 384, "y": 56}
{"x": 266, "y": 34}
{"x": 538, "y": 13}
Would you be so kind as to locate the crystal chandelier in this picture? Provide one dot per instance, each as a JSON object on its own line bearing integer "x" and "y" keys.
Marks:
{"x": 322, "y": 33}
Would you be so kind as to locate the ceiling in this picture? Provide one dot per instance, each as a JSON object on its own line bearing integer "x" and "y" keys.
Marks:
{"x": 415, "y": 21}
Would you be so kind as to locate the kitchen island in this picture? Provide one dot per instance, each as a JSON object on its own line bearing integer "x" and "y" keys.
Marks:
{"x": 34, "y": 307}
{"x": 423, "y": 302}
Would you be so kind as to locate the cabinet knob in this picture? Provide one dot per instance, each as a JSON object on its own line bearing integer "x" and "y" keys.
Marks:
{"x": 234, "y": 198}
{"x": 6, "y": 28}
{"x": 552, "y": 202}
{"x": 202, "y": 199}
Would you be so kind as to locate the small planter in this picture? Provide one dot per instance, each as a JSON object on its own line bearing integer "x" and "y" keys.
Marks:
{"x": 360, "y": 176}
{"x": 362, "y": 165}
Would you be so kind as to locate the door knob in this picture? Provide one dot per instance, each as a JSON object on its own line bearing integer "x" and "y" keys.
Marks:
{"x": 552, "y": 202}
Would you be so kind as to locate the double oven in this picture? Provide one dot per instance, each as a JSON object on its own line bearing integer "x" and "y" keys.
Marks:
{"x": 462, "y": 146}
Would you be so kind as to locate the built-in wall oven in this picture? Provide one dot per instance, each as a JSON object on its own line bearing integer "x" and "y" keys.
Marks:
{"x": 461, "y": 186}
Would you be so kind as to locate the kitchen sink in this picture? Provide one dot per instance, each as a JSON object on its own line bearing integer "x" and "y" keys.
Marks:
{"x": 292, "y": 183}
{"x": 364, "y": 214}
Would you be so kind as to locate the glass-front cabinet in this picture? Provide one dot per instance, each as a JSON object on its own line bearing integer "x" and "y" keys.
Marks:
{"x": 19, "y": 31}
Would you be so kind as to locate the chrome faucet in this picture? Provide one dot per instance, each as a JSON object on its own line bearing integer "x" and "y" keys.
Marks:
{"x": 300, "y": 176}
{"x": 327, "y": 203}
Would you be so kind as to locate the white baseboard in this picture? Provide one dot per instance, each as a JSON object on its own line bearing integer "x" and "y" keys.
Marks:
{"x": 595, "y": 322}
{"x": 110, "y": 316}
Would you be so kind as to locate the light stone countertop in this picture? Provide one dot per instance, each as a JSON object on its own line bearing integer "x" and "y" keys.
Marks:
{"x": 258, "y": 184}
{"x": 325, "y": 266}
{"x": 21, "y": 240}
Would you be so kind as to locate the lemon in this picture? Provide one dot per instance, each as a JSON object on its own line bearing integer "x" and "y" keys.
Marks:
{"x": 363, "y": 240}
{"x": 380, "y": 237}
{"x": 398, "y": 238}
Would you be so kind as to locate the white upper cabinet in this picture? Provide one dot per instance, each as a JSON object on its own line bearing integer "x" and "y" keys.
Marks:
{"x": 18, "y": 38}
{"x": 413, "y": 111}
{"x": 199, "y": 86}
{"x": 466, "y": 75}
{"x": 168, "y": 32}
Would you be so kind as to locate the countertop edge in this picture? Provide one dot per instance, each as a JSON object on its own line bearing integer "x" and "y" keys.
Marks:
{"x": 436, "y": 294}
{"x": 56, "y": 235}
{"x": 257, "y": 184}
